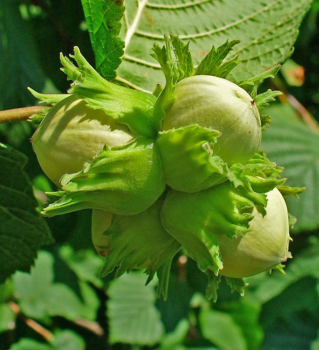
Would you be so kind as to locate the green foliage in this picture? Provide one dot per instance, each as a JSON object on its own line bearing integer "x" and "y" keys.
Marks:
{"x": 62, "y": 340}
{"x": 6, "y": 291}
{"x": 67, "y": 340}
{"x": 22, "y": 230}
{"x": 176, "y": 63}
{"x": 103, "y": 21}
{"x": 40, "y": 297}
{"x": 246, "y": 314}
{"x": 213, "y": 64}
{"x": 174, "y": 339}
{"x": 146, "y": 22}
{"x": 7, "y": 318}
{"x": 85, "y": 263}
{"x": 294, "y": 146}
{"x": 221, "y": 329}
{"x": 19, "y": 63}
{"x": 27, "y": 344}
{"x": 63, "y": 290}
{"x": 301, "y": 266}
{"x": 315, "y": 344}
{"x": 131, "y": 311}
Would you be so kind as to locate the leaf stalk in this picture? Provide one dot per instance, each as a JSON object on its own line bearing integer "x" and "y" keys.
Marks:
{"x": 19, "y": 114}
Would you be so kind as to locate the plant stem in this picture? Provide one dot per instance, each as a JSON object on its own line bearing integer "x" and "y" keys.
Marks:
{"x": 305, "y": 115}
{"x": 46, "y": 334}
{"x": 286, "y": 97}
{"x": 18, "y": 114}
{"x": 93, "y": 327}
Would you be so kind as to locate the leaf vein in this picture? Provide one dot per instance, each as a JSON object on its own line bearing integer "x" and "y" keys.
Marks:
{"x": 178, "y": 6}
{"x": 213, "y": 31}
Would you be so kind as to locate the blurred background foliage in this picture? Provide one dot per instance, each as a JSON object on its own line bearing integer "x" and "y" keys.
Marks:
{"x": 62, "y": 304}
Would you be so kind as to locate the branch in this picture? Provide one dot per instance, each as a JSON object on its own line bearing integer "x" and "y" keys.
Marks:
{"x": 47, "y": 335}
{"x": 93, "y": 327}
{"x": 305, "y": 115}
{"x": 18, "y": 114}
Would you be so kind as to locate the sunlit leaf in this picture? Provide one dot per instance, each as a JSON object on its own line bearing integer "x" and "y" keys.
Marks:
{"x": 221, "y": 330}
{"x": 40, "y": 297}
{"x": 292, "y": 144}
{"x": 62, "y": 340}
{"x": 7, "y": 318}
{"x": 305, "y": 264}
{"x": 131, "y": 311}
{"x": 103, "y": 19}
{"x": 266, "y": 30}
{"x": 67, "y": 340}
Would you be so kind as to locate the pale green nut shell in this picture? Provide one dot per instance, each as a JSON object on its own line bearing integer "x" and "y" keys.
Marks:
{"x": 264, "y": 246}
{"x": 218, "y": 104}
{"x": 72, "y": 134}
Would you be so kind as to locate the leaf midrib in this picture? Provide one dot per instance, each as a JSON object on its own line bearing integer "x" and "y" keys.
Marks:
{"x": 132, "y": 29}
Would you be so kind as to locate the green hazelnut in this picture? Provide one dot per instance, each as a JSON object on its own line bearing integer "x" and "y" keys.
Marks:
{"x": 219, "y": 104}
{"x": 264, "y": 246}
{"x": 72, "y": 134}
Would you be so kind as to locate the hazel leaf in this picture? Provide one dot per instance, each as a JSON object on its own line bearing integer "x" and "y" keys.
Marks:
{"x": 103, "y": 19}
{"x": 206, "y": 22}
{"x": 293, "y": 144}
{"x": 22, "y": 229}
{"x": 123, "y": 180}
{"x": 132, "y": 315}
{"x": 189, "y": 164}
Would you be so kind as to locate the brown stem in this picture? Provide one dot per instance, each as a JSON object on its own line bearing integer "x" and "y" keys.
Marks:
{"x": 18, "y": 114}
{"x": 47, "y": 335}
{"x": 93, "y": 327}
{"x": 305, "y": 115}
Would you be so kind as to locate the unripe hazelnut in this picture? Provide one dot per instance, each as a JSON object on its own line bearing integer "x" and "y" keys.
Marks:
{"x": 218, "y": 104}
{"x": 265, "y": 244}
{"x": 72, "y": 134}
